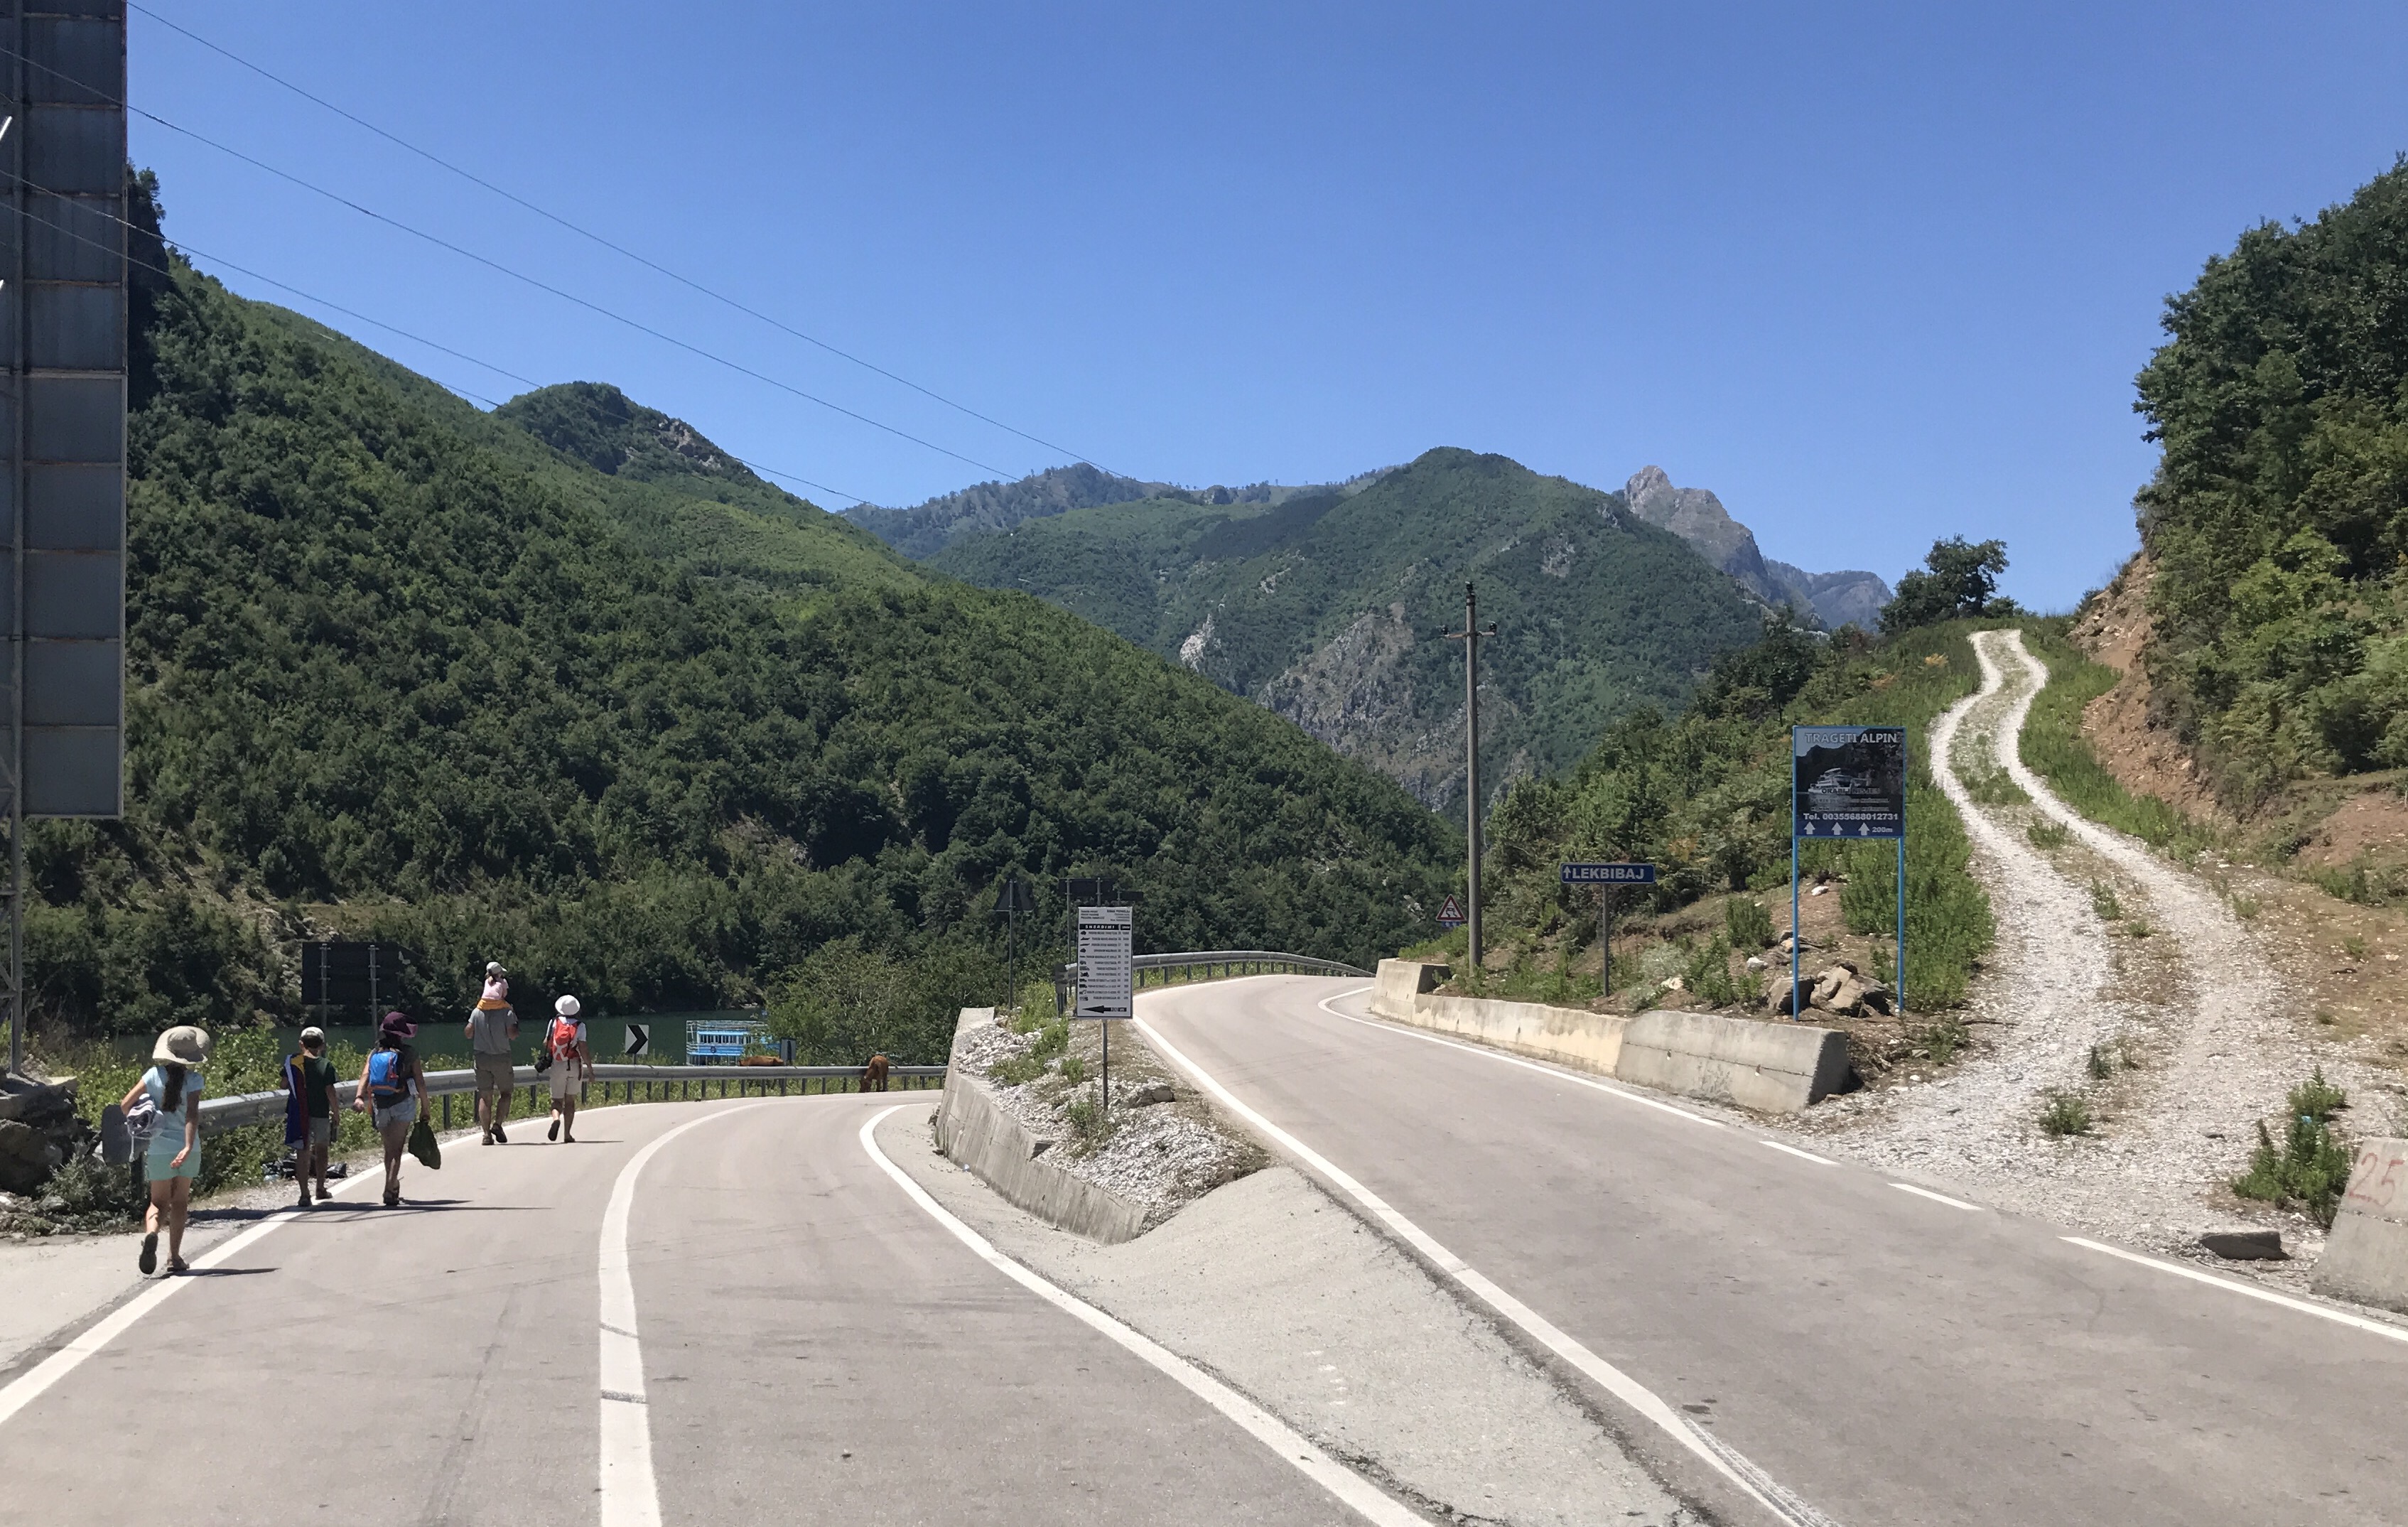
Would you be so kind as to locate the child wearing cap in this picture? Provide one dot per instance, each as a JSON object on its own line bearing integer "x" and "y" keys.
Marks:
{"x": 310, "y": 1111}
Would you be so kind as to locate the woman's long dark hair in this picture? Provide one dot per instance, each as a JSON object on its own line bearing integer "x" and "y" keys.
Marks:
{"x": 171, "y": 1077}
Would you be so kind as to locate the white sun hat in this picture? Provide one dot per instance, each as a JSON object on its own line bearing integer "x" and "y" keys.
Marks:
{"x": 565, "y": 1007}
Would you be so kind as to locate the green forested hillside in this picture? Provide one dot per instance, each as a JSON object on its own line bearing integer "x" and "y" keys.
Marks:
{"x": 2278, "y": 517}
{"x": 1324, "y": 608}
{"x": 399, "y": 667}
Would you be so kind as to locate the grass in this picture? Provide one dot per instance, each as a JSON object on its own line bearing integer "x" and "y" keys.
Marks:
{"x": 2135, "y": 929}
{"x": 1991, "y": 785}
{"x": 2246, "y": 908}
{"x": 1945, "y": 1040}
{"x": 2065, "y": 1114}
{"x": 1074, "y": 1069}
{"x": 2102, "y": 1063}
{"x": 2103, "y": 902}
{"x": 2308, "y": 1170}
{"x": 2055, "y": 749}
{"x": 2049, "y": 836}
{"x": 2366, "y": 884}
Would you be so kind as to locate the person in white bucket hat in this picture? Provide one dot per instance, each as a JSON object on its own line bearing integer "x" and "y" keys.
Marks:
{"x": 572, "y": 1067}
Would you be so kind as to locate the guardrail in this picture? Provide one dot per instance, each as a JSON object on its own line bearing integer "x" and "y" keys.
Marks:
{"x": 1216, "y": 963}
{"x": 654, "y": 1081}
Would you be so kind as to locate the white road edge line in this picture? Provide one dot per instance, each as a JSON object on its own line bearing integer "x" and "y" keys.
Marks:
{"x": 1792, "y": 1150}
{"x": 1758, "y": 1486}
{"x": 1937, "y": 1197}
{"x": 1559, "y": 1075}
{"x": 2397, "y": 1334}
{"x": 1265, "y": 1428}
{"x": 629, "y": 1495}
{"x": 29, "y": 1386}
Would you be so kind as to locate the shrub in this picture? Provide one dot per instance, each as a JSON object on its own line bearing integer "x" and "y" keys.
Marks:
{"x": 1017, "y": 1070}
{"x": 1709, "y": 973}
{"x": 2306, "y": 1172}
{"x": 2316, "y": 1099}
{"x": 2103, "y": 902}
{"x": 2102, "y": 1062}
{"x": 2049, "y": 835}
{"x": 2065, "y": 1113}
{"x": 1749, "y": 924}
{"x": 1074, "y": 1069}
{"x": 1945, "y": 1040}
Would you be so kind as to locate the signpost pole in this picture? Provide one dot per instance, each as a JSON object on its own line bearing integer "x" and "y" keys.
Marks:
{"x": 1899, "y": 1001}
{"x": 1796, "y": 941}
{"x": 1605, "y": 940}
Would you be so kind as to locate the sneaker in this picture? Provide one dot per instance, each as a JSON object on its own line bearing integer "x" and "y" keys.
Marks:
{"x": 500, "y": 1136}
{"x": 149, "y": 1260}
{"x": 553, "y": 1133}
{"x": 177, "y": 1264}
{"x": 488, "y": 1137}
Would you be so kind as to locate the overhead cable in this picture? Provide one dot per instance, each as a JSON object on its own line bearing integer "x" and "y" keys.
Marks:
{"x": 364, "y": 318}
{"x": 549, "y": 216}
{"x": 540, "y": 285}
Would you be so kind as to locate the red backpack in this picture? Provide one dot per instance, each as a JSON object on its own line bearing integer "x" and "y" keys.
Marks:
{"x": 563, "y": 1041}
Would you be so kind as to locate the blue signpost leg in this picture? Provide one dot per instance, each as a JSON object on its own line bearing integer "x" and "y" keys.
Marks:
{"x": 1900, "y": 972}
{"x": 1795, "y": 940}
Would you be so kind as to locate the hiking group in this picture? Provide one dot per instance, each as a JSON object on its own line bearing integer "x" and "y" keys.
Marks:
{"x": 163, "y": 1112}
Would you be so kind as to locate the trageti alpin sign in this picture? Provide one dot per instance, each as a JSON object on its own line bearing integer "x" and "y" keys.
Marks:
{"x": 1849, "y": 782}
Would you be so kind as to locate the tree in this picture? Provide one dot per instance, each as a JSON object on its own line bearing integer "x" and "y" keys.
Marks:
{"x": 1958, "y": 579}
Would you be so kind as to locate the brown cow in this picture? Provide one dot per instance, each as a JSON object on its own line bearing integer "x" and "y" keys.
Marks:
{"x": 873, "y": 1076}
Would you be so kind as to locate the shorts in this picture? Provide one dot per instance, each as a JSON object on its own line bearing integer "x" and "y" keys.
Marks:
{"x": 322, "y": 1131}
{"x": 566, "y": 1080}
{"x": 157, "y": 1163}
{"x": 404, "y": 1112}
{"x": 493, "y": 1076}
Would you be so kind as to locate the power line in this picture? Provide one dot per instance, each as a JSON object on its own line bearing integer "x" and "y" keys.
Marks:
{"x": 540, "y": 285}
{"x": 364, "y": 318}
{"x": 614, "y": 247}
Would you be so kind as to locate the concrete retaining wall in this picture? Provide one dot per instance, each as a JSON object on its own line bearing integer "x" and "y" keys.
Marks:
{"x": 2366, "y": 1257}
{"x": 975, "y": 1131}
{"x": 1776, "y": 1068}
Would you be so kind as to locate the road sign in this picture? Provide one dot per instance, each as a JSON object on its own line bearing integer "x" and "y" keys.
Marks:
{"x": 1450, "y": 912}
{"x": 1848, "y": 782}
{"x": 639, "y": 1039}
{"x": 1609, "y": 874}
{"x": 1107, "y": 937}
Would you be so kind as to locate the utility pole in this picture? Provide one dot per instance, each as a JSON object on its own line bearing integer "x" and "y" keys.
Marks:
{"x": 1469, "y": 636}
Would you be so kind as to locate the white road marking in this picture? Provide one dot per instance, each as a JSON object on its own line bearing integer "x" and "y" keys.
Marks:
{"x": 1559, "y": 1075}
{"x": 29, "y": 1386}
{"x": 630, "y": 1497}
{"x": 2397, "y": 1334}
{"x": 1936, "y": 1198}
{"x": 1265, "y": 1428}
{"x": 1792, "y": 1150}
{"x": 1723, "y": 1460}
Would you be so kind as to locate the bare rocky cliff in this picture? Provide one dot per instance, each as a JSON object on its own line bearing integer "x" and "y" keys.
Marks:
{"x": 1697, "y": 517}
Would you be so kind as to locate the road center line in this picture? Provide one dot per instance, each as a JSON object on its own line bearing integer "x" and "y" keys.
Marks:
{"x": 1559, "y": 1075}
{"x": 1802, "y": 1154}
{"x": 2397, "y": 1334}
{"x": 1724, "y": 1461}
{"x": 29, "y": 1385}
{"x": 1265, "y": 1428}
{"x": 1937, "y": 1197}
{"x": 629, "y": 1495}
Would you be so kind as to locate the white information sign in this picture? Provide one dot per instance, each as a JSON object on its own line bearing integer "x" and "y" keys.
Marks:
{"x": 1105, "y": 937}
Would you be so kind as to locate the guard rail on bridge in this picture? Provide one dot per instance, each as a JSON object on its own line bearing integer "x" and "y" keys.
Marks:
{"x": 1212, "y": 965}
{"x": 656, "y": 1082}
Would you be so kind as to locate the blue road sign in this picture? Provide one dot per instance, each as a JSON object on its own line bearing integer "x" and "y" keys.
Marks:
{"x": 1848, "y": 782}
{"x": 1609, "y": 874}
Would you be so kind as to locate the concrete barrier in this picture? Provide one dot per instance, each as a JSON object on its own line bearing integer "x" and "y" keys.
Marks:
{"x": 1775, "y": 1068}
{"x": 2366, "y": 1257}
{"x": 974, "y": 1131}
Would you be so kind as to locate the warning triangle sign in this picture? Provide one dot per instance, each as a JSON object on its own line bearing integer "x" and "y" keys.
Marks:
{"x": 1450, "y": 915}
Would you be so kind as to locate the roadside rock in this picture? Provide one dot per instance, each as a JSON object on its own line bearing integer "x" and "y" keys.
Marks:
{"x": 26, "y": 1160}
{"x": 2245, "y": 1244}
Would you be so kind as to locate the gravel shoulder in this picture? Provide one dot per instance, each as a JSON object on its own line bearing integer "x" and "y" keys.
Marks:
{"x": 1287, "y": 1297}
{"x": 2178, "y": 1040}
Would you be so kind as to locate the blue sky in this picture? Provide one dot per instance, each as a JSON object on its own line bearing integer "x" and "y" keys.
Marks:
{"x": 1873, "y": 274}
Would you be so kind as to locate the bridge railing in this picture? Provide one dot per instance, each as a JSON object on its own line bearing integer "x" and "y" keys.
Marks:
{"x": 654, "y": 1082}
{"x": 1210, "y": 965}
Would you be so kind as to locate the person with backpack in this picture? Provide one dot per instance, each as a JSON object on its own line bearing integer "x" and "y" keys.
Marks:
{"x": 164, "y": 1109}
{"x": 393, "y": 1087}
{"x": 572, "y": 1066}
{"x": 492, "y": 1029}
{"x": 309, "y": 1083}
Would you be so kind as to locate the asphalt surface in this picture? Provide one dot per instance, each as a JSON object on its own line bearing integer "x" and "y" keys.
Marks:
{"x": 1887, "y": 1358}
{"x": 815, "y": 1345}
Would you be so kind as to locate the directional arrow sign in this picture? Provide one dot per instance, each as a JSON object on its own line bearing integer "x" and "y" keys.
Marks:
{"x": 1609, "y": 874}
{"x": 639, "y": 1039}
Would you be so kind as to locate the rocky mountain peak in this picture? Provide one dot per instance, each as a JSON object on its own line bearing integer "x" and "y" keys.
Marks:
{"x": 1697, "y": 517}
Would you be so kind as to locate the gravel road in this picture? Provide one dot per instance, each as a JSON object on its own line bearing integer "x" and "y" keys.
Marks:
{"x": 2198, "y": 1011}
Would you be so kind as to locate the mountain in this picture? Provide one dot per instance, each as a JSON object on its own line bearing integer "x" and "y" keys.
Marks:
{"x": 1697, "y": 517}
{"x": 1325, "y": 607}
{"x": 928, "y": 528}
{"x": 565, "y": 685}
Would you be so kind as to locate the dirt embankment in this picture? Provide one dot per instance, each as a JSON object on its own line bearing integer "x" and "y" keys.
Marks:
{"x": 2147, "y": 758}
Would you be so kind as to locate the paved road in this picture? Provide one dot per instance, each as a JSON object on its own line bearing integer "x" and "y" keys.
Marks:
{"x": 440, "y": 1363}
{"x": 1887, "y": 1358}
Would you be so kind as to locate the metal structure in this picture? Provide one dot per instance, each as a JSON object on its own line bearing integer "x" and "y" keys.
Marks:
{"x": 1608, "y": 877}
{"x": 1219, "y": 964}
{"x": 1469, "y": 636}
{"x": 342, "y": 973}
{"x": 62, "y": 430}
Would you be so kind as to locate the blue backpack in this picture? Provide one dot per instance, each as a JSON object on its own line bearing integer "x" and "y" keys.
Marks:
{"x": 388, "y": 1078}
